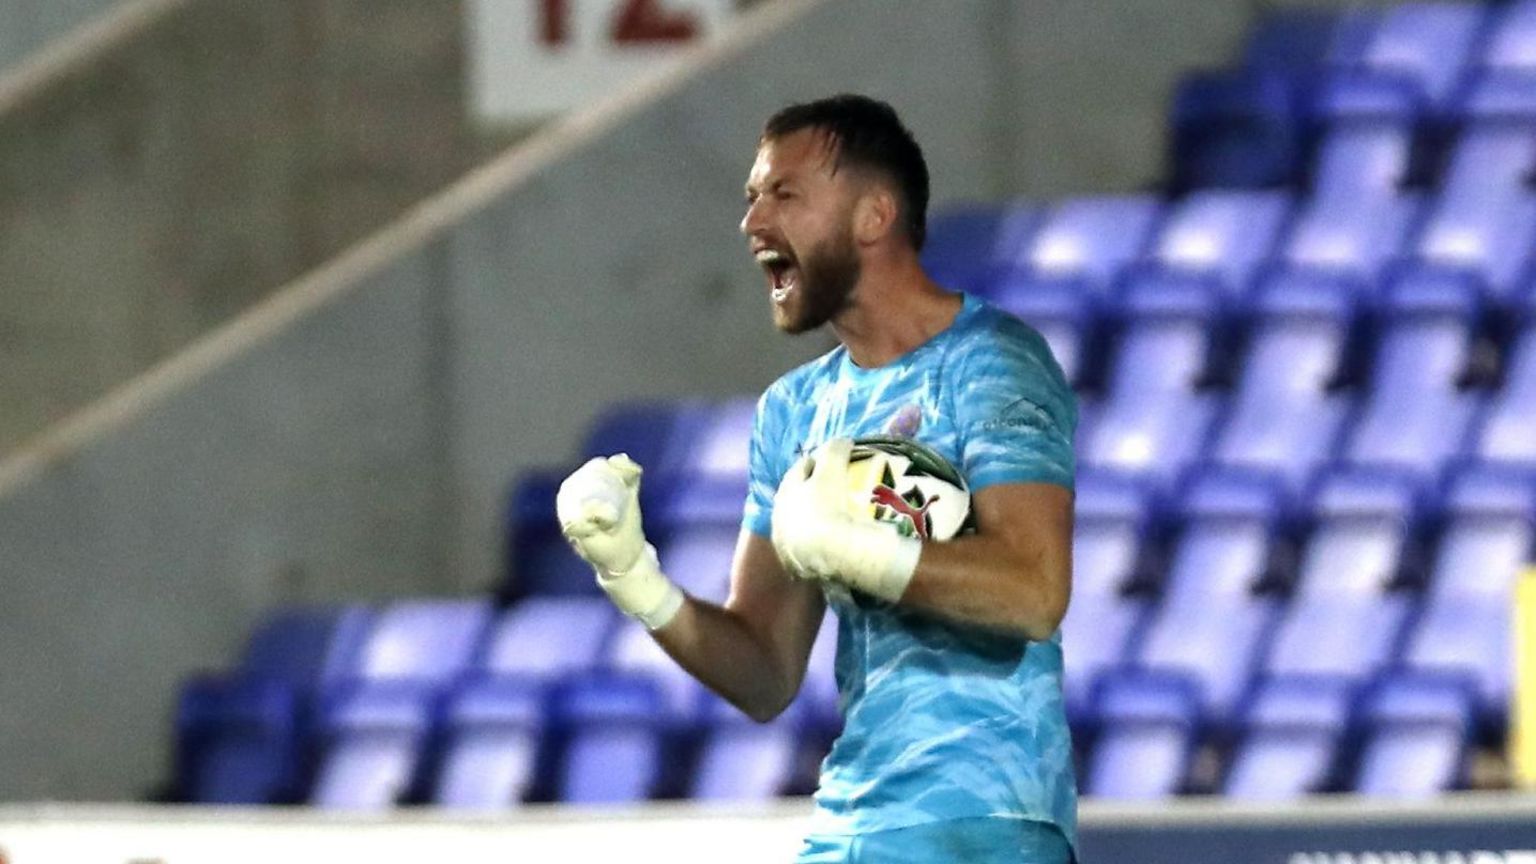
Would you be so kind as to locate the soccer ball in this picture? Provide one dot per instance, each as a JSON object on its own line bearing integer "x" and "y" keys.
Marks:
{"x": 906, "y": 484}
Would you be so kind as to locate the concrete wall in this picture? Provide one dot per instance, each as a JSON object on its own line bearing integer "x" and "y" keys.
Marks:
{"x": 27, "y": 25}
{"x": 353, "y": 437}
{"x": 161, "y": 186}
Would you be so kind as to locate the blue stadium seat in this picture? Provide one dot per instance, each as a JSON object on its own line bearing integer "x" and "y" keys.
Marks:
{"x": 1235, "y": 129}
{"x": 1059, "y": 308}
{"x": 1211, "y": 625}
{"x": 1112, "y": 513}
{"x": 380, "y": 716}
{"x": 242, "y": 737}
{"x": 695, "y": 528}
{"x": 1487, "y": 536}
{"x": 1090, "y": 239}
{"x": 238, "y": 741}
{"x": 1289, "y": 740}
{"x": 539, "y": 560}
{"x": 1154, "y": 418}
{"x": 1415, "y": 414}
{"x": 1284, "y": 418}
{"x": 1290, "y": 40}
{"x": 493, "y": 729}
{"x": 1358, "y": 217}
{"x": 651, "y": 432}
{"x": 1427, "y": 45}
{"x": 1484, "y": 219}
{"x": 1220, "y": 235}
{"x": 1342, "y": 620}
{"x": 716, "y": 446}
{"x": 740, "y": 759}
{"x": 967, "y": 243}
{"x": 1149, "y": 728}
{"x": 1511, "y": 42}
{"x": 1418, "y": 729}
{"x": 613, "y": 727}
{"x": 544, "y": 638}
{"x": 376, "y": 738}
{"x": 1504, "y": 430}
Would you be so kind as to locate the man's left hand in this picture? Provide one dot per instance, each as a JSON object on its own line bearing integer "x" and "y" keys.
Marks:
{"x": 819, "y": 532}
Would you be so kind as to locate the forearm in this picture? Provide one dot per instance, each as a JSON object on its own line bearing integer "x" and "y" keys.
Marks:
{"x": 982, "y": 581}
{"x": 718, "y": 647}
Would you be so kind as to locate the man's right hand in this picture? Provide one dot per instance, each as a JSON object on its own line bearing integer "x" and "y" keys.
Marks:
{"x": 599, "y": 511}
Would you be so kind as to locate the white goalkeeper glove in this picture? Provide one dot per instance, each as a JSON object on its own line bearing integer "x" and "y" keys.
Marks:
{"x": 819, "y": 531}
{"x": 599, "y": 511}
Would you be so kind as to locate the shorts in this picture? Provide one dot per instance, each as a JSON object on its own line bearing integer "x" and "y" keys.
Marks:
{"x": 972, "y": 841}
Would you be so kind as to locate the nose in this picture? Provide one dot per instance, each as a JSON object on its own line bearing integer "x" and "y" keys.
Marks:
{"x": 752, "y": 220}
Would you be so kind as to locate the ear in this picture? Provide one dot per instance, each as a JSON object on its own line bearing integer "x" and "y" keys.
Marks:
{"x": 874, "y": 215}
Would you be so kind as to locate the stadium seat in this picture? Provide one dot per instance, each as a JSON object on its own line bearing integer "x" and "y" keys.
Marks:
{"x": 1487, "y": 536}
{"x": 1342, "y": 620}
{"x": 539, "y": 560}
{"x": 1111, "y": 516}
{"x": 740, "y": 759}
{"x": 1235, "y": 129}
{"x": 544, "y": 638}
{"x": 1285, "y": 416}
{"x": 1504, "y": 430}
{"x": 493, "y": 732}
{"x": 238, "y": 741}
{"x": 1221, "y": 236}
{"x": 1415, "y": 415}
{"x": 671, "y": 727}
{"x": 1090, "y": 239}
{"x": 1058, "y": 308}
{"x": 1211, "y": 623}
{"x": 379, "y": 718}
{"x": 695, "y": 529}
{"x": 651, "y": 432}
{"x": 717, "y": 446}
{"x": 1154, "y": 417}
{"x": 1290, "y": 40}
{"x": 376, "y": 738}
{"x": 243, "y": 737}
{"x": 1149, "y": 727}
{"x": 1358, "y": 216}
{"x": 1417, "y": 730}
{"x": 1427, "y": 45}
{"x": 1511, "y": 42}
{"x": 1290, "y": 736}
{"x": 613, "y": 728}
{"x": 1484, "y": 219}
{"x": 967, "y": 243}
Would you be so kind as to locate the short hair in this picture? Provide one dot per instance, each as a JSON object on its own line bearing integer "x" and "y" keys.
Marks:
{"x": 866, "y": 133}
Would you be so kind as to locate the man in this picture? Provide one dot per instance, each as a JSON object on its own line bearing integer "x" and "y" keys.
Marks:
{"x": 955, "y": 745}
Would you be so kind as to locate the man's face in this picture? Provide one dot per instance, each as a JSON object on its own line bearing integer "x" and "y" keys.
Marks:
{"x": 799, "y": 224}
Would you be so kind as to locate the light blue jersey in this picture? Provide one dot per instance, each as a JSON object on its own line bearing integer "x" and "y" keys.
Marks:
{"x": 940, "y": 722}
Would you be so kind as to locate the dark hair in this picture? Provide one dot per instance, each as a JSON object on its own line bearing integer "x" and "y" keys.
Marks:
{"x": 867, "y": 134}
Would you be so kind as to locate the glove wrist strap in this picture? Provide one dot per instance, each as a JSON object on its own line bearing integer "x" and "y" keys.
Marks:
{"x": 643, "y": 592}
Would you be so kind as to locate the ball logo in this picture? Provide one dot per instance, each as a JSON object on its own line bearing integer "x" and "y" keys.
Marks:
{"x": 915, "y": 513}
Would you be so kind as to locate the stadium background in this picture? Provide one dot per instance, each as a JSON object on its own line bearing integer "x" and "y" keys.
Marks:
{"x": 291, "y": 298}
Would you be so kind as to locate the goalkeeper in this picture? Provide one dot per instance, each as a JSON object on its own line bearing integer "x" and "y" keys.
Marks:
{"x": 955, "y": 745}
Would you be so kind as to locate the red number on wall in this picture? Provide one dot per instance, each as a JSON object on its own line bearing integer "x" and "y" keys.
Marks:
{"x": 635, "y": 21}
{"x": 647, "y": 21}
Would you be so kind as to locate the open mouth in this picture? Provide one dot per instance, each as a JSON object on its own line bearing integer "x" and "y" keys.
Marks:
{"x": 781, "y": 270}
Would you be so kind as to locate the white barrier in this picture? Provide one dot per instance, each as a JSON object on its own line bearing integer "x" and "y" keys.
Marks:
{"x": 1458, "y": 829}
{"x": 680, "y": 834}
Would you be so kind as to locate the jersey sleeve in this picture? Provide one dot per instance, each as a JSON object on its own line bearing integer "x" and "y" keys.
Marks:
{"x": 1015, "y": 414}
{"x": 764, "y": 458}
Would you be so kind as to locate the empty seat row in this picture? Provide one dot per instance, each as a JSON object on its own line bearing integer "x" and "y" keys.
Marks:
{"x": 453, "y": 703}
{"x": 1401, "y": 736}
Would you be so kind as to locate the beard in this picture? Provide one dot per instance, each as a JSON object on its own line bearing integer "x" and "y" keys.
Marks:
{"x": 828, "y": 275}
